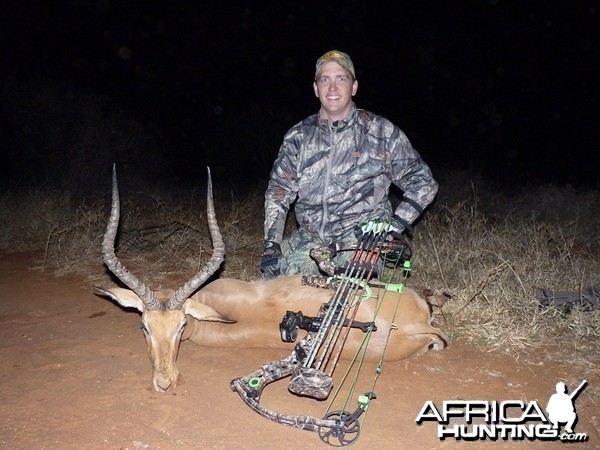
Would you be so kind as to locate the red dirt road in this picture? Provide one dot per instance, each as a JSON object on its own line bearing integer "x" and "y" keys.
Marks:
{"x": 74, "y": 374}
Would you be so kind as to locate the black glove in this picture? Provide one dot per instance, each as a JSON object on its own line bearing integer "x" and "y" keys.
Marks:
{"x": 397, "y": 226}
{"x": 272, "y": 261}
{"x": 399, "y": 250}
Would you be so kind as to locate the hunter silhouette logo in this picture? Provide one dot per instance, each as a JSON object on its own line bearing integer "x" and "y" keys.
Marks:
{"x": 561, "y": 408}
{"x": 507, "y": 420}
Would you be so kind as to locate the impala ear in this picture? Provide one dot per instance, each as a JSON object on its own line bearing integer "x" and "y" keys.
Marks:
{"x": 200, "y": 311}
{"x": 124, "y": 297}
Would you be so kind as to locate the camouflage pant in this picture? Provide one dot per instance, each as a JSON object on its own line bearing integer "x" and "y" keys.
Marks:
{"x": 296, "y": 249}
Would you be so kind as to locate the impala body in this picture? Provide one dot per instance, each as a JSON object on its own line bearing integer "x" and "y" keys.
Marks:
{"x": 234, "y": 313}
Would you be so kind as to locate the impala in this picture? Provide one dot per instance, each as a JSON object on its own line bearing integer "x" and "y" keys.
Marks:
{"x": 234, "y": 313}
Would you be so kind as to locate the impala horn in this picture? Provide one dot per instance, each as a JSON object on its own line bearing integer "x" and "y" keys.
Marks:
{"x": 111, "y": 260}
{"x": 180, "y": 295}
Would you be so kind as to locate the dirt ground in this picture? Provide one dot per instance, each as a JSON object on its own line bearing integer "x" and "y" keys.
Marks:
{"x": 75, "y": 374}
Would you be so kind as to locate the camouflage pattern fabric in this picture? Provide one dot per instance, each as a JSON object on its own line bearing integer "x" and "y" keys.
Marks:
{"x": 343, "y": 59}
{"x": 339, "y": 176}
{"x": 296, "y": 249}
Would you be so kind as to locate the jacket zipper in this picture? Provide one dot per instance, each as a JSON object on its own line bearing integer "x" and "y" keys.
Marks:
{"x": 326, "y": 185}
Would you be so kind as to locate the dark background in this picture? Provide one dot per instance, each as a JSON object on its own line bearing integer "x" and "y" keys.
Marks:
{"x": 506, "y": 89}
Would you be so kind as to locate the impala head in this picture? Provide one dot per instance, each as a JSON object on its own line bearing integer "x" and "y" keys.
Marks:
{"x": 164, "y": 313}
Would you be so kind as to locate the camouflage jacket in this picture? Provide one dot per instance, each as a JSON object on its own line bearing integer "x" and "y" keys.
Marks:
{"x": 339, "y": 176}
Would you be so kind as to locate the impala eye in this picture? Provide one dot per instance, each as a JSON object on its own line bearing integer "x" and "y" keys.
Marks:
{"x": 144, "y": 329}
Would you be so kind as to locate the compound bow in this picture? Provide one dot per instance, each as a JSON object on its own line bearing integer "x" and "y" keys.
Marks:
{"x": 315, "y": 356}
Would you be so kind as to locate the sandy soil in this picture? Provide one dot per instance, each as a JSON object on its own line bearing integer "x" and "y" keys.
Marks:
{"x": 74, "y": 374}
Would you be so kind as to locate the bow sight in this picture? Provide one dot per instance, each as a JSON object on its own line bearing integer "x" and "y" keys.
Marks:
{"x": 311, "y": 364}
{"x": 292, "y": 321}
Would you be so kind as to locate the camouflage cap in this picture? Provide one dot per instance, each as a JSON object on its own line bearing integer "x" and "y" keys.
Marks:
{"x": 339, "y": 57}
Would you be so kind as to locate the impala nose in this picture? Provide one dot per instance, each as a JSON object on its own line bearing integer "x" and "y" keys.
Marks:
{"x": 163, "y": 387}
{"x": 165, "y": 380}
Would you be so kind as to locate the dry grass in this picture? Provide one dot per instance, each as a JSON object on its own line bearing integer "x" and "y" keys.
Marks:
{"x": 490, "y": 251}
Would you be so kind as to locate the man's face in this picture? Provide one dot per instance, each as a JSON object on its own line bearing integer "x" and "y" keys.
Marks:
{"x": 334, "y": 89}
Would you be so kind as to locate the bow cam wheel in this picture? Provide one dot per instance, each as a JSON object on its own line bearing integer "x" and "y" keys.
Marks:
{"x": 343, "y": 433}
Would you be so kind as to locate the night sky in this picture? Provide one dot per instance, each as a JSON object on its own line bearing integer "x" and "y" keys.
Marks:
{"x": 505, "y": 88}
